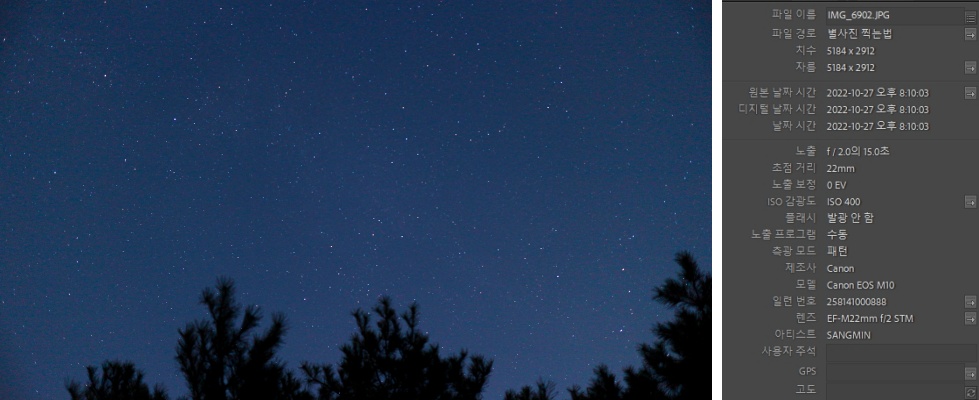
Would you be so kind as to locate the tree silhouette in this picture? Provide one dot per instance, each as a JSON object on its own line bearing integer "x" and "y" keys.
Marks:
{"x": 390, "y": 362}
{"x": 223, "y": 358}
{"x": 677, "y": 365}
{"x": 682, "y": 357}
{"x": 544, "y": 391}
{"x": 118, "y": 381}
{"x": 603, "y": 386}
{"x": 221, "y": 361}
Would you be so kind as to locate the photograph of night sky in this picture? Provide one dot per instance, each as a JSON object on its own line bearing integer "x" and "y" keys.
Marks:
{"x": 528, "y": 174}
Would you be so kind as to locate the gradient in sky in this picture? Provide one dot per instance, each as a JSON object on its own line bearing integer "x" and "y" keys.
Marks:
{"x": 524, "y": 171}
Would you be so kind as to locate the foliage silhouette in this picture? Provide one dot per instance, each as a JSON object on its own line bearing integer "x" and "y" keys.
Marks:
{"x": 680, "y": 361}
{"x": 118, "y": 381}
{"x": 603, "y": 386}
{"x": 223, "y": 358}
{"x": 677, "y": 365}
{"x": 388, "y": 361}
{"x": 545, "y": 391}
{"x": 220, "y": 361}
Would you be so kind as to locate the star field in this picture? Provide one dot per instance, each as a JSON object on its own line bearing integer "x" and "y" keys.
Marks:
{"x": 525, "y": 172}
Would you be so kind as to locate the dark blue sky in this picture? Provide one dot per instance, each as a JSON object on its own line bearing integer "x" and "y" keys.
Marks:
{"x": 525, "y": 172}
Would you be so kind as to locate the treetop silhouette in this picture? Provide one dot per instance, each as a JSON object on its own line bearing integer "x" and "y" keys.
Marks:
{"x": 224, "y": 357}
{"x": 386, "y": 360}
{"x": 220, "y": 360}
{"x": 677, "y": 365}
{"x": 544, "y": 391}
{"x": 118, "y": 381}
{"x": 389, "y": 358}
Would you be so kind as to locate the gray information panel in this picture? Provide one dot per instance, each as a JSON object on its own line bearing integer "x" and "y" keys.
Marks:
{"x": 850, "y": 142}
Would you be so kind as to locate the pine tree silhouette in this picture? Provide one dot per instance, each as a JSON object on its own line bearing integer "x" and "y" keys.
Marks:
{"x": 677, "y": 365}
{"x": 544, "y": 391}
{"x": 118, "y": 381}
{"x": 222, "y": 361}
{"x": 388, "y": 361}
{"x": 222, "y": 358}
{"x": 603, "y": 386}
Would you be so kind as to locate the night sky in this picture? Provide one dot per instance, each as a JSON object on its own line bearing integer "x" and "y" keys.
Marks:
{"x": 525, "y": 172}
